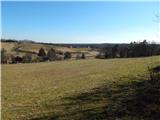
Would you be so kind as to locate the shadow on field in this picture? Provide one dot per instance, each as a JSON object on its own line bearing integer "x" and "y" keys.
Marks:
{"x": 136, "y": 100}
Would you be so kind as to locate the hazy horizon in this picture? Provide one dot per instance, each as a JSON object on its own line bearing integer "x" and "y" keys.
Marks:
{"x": 80, "y": 22}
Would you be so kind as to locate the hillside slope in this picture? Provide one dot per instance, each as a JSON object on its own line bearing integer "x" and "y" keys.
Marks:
{"x": 20, "y": 48}
{"x": 78, "y": 90}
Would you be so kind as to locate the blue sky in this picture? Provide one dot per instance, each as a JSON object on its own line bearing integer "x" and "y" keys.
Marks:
{"x": 80, "y": 22}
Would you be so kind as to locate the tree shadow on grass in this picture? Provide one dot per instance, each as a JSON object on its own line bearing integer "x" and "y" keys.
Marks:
{"x": 138, "y": 99}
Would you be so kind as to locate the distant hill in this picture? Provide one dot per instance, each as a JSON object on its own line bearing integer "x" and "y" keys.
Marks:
{"x": 21, "y": 47}
{"x": 76, "y": 45}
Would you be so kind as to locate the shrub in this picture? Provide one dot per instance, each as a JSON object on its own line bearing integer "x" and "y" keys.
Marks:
{"x": 59, "y": 57}
{"x": 27, "y": 58}
{"x": 42, "y": 55}
{"x": 100, "y": 56}
{"x": 41, "y": 52}
{"x": 51, "y": 54}
{"x": 83, "y": 56}
{"x": 17, "y": 59}
{"x": 36, "y": 58}
{"x": 67, "y": 55}
{"x": 154, "y": 73}
{"x": 78, "y": 57}
{"x": 4, "y": 56}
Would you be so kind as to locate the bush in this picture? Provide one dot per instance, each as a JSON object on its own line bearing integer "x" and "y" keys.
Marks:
{"x": 100, "y": 56}
{"x": 154, "y": 73}
{"x": 41, "y": 52}
{"x": 59, "y": 57}
{"x": 42, "y": 55}
{"x": 17, "y": 59}
{"x": 67, "y": 55}
{"x": 27, "y": 58}
{"x": 83, "y": 56}
{"x": 78, "y": 57}
{"x": 51, "y": 54}
{"x": 4, "y": 56}
{"x": 36, "y": 59}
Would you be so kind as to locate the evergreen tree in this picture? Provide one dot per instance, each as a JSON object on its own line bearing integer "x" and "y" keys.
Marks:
{"x": 51, "y": 54}
{"x": 41, "y": 53}
{"x": 67, "y": 55}
{"x": 83, "y": 56}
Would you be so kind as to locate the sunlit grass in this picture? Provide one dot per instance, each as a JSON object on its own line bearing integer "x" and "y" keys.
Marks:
{"x": 29, "y": 90}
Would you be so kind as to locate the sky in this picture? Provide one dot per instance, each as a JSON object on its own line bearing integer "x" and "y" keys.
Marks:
{"x": 80, "y": 22}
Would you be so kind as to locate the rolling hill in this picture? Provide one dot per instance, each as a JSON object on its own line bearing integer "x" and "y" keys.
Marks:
{"x": 20, "y": 48}
{"x": 91, "y": 89}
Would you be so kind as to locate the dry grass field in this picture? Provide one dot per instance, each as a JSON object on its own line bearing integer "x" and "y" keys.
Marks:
{"x": 90, "y": 89}
{"x": 34, "y": 47}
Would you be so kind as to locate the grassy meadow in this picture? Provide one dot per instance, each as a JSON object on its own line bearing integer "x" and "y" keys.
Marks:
{"x": 91, "y": 89}
{"x": 20, "y": 49}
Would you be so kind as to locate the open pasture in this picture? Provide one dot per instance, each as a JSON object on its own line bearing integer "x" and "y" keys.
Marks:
{"x": 92, "y": 89}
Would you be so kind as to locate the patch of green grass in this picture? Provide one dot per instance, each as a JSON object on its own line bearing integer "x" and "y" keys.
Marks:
{"x": 66, "y": 90}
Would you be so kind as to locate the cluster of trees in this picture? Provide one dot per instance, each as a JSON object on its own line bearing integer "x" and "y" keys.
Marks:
{"x": 134, "y": 49}
{"x": 51, "y": 55}
{"x": 41, "y": 56}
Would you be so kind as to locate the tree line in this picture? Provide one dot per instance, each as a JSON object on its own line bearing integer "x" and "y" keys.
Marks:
{"x": 134, "y": 49}
{"x": 41, "y": 56}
